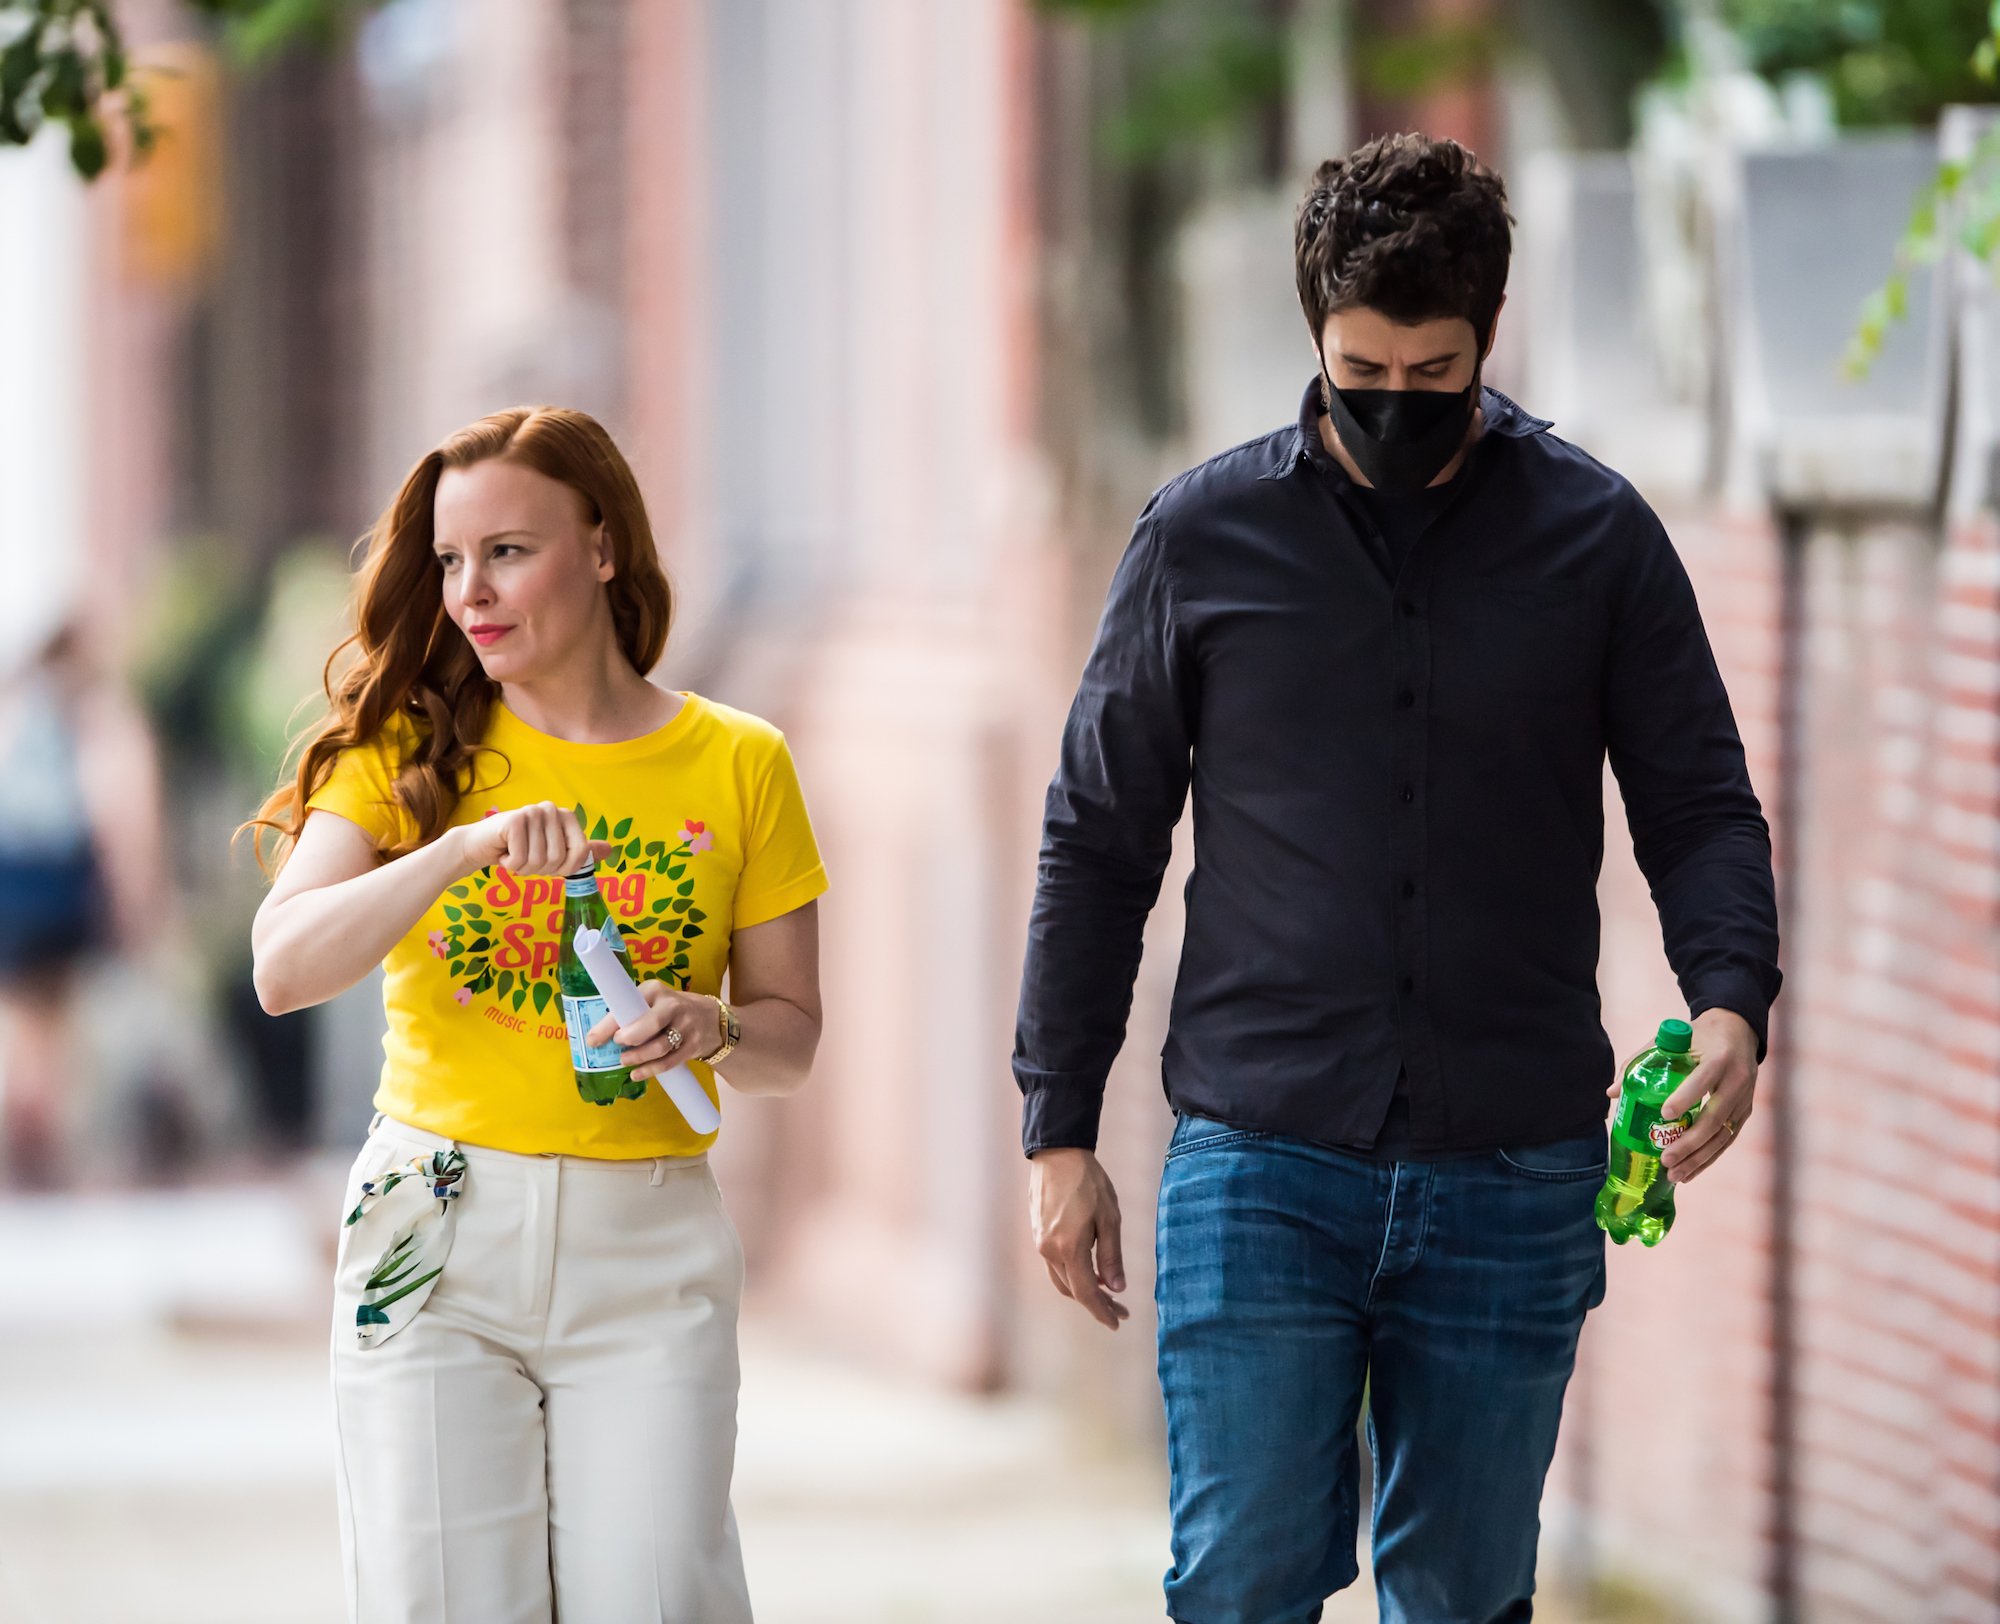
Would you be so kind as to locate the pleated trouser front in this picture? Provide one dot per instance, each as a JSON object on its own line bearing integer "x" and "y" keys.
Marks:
{"x": 551, "y": 1437}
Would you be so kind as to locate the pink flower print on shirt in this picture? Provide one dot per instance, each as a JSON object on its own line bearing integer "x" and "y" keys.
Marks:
{"x": 437, "y": 943}
{"x": 697, "y": 837}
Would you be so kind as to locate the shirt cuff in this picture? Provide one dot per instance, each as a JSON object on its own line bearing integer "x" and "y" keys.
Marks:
{"x": 1740, "y": 996}
{"x": 1057, "y": 1110}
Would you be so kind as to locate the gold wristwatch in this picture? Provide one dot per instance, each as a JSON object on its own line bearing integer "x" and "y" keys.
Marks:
{"x": 732, "y": 1033}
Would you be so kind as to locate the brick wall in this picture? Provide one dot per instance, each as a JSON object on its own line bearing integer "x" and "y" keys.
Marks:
{"x": 1888, "y": 1039}
{"x": 1665, "y": 1444}
{"x": 1888, "y": 1054}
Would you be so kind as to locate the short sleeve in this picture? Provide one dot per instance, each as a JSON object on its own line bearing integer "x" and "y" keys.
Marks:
{"x": 781, "y": 862}
{"x": 361, "y": 790}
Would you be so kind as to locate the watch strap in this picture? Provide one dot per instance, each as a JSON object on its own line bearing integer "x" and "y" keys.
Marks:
{"x": 732, "y": 1032}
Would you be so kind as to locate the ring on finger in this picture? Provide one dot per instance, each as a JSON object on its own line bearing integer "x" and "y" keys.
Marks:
{"x": 674, "y": 1039}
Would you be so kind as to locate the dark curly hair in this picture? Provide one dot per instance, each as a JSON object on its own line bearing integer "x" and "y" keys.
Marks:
{"x": 1409, "y": 226}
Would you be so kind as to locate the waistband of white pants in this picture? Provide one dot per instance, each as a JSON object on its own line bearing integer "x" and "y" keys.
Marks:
{"x": 654, "y": 1166}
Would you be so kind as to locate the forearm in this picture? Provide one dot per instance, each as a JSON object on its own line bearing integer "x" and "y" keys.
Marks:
{"x": 1120, "y": 787}
{"x": 314, "y": 946}
{"x": 1718, "y": 925}
{"x": 1085, "y": 938}
{"x": 776, "y": 1054}
{"x": 1698, "y": 830}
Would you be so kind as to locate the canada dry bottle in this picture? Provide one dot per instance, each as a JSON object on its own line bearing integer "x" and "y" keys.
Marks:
{"x": 1637, "y": 1199}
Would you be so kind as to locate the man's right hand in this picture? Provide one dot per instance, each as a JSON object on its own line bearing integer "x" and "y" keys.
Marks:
{"x": 1074, "y": 1209}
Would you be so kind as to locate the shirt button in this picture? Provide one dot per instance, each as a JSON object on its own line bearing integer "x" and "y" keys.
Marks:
{"x": 1409, "y": 795}
{"x": 1406, "y": 699}
{"x": 1409, "y": 608}
{"x": 1409, "y": 888}
{"x": 1409, "y": 983}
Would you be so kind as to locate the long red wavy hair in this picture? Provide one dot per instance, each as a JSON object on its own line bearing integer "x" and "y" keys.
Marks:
{"x": 413, "y": 660}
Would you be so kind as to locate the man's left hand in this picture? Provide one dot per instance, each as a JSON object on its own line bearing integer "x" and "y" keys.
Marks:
{"x": 1727, "y": 1076}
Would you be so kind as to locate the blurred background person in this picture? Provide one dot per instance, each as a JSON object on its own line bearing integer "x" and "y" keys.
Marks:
{"x": 80, "y": 881}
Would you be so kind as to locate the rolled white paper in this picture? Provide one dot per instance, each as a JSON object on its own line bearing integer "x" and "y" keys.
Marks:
{"x": 623, "y": 1000}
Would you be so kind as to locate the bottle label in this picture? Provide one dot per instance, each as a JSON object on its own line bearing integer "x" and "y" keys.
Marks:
{"x": 580, "y": 1015}
{"x": 1636, "y": 1126}
{"x": 1665, "y": 1133}
{"x": 580, "y": 885}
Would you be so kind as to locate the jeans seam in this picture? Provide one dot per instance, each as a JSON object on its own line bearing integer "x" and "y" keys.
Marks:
{"x": 1424, "y": 1218}
{"x": 1188, "y": 1147}
{"x": 1375, "y": 1475}
{"x": 1550, "y": 1175}
{"x": 1388, "y": 1230}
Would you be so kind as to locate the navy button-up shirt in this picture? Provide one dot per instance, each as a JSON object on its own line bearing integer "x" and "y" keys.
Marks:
{"x": 1398, "y": 800}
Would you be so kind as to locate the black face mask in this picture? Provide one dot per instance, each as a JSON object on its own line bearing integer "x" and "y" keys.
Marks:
{"x": 1401, "y": 438}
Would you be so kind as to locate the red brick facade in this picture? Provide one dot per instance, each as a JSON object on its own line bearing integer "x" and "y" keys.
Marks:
{"x": 1886, "y": 1055}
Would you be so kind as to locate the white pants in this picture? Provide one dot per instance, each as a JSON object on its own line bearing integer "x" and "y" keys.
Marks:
{"x": 552, "y": 1435}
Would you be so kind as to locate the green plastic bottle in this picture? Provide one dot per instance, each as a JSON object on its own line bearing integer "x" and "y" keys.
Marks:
{"x": 601, "y": 1073}
{"x": 1636, "y": 1198}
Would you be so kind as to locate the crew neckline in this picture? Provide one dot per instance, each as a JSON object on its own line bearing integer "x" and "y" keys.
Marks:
{"x": 668, "y": 732}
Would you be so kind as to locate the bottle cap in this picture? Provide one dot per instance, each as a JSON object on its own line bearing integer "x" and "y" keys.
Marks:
{"x": 1676, "y": 1037}
{"x": 587, "y": 872}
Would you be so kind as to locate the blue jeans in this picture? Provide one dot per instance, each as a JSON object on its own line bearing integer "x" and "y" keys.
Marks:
{"x": 1289, "y": 1276}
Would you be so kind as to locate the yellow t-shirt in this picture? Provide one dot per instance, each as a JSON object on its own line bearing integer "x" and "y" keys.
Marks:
{"x": 714, "y": 838}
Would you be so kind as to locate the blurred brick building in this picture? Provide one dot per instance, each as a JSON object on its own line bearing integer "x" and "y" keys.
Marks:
{"x": 898, "y": 351}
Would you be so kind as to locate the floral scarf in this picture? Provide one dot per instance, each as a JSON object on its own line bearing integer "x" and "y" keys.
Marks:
{"x": 409, "y": 1267}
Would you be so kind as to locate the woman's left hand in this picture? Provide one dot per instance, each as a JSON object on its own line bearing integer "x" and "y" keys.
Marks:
{"x": 677, "y": 1026}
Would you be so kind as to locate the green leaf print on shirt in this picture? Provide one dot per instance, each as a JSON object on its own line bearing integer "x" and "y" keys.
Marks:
{"x": 494, "y": 941}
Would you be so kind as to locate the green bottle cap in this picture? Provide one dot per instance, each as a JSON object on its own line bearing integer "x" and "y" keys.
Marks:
{"x": 1676, "y": 1037}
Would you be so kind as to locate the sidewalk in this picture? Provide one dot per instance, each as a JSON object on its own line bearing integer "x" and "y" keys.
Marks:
{"x": 162, "y": 1478}
{"x": 164, "y": 1456}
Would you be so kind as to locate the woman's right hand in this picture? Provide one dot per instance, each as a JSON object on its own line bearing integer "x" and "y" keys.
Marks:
{"x": 540, "y": 839}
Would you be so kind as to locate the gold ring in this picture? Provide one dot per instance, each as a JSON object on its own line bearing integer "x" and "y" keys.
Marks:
{"x": 674, "y": 1042}
{"x": 1730, "y": 1126}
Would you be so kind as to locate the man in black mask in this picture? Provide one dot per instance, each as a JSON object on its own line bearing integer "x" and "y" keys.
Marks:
{"x": 1390, "y": 646}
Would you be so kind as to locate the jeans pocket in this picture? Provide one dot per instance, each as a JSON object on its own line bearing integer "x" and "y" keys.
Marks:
{"x": 1565, "y": 1161}
{"x": 1192, "y": 1133}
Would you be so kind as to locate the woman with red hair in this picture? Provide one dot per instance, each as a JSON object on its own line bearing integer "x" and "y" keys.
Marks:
{"x": 536, "y": 1295}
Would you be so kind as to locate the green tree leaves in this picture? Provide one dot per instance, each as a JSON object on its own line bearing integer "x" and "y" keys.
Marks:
{"x": 65, "y": 62}
{"x": 1882, "y": 62}
{"x": 61, "y": 61}
{"x": 1964, "y": 196}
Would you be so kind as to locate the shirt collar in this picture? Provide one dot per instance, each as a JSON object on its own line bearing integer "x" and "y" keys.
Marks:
{"x": 1303, "y": 443}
